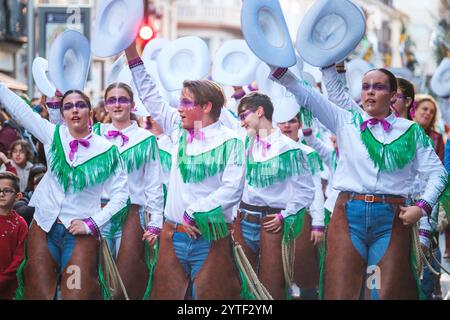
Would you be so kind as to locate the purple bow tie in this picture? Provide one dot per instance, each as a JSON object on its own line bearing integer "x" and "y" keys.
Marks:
{"x": 114, "y": 133}
{"x": 264, "y": 144}
{"x": 195, "y": 134}
{"x": 386, "y": 125}
{"x": 74, "y": 146}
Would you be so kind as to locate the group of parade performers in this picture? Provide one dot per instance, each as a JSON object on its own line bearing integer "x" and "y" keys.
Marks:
{"x": 207, "y": 205}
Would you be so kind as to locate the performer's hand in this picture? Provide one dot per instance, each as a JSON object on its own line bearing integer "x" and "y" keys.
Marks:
{"x": 150, "y": 238}
{"x": 131, "y": 51}
{"x": 191, "y": 231}
{"x": 317, "y": 237}
{"x": 77, "y": 227}
{"x": 273, "y": 225}
{"x": 410, "y": 215}
{"x": 424, "y": 249}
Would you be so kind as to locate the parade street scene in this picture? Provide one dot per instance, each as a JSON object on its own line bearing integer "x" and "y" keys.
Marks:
{"x": 232, "y": 150}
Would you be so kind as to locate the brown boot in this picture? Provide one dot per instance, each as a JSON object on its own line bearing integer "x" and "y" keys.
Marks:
{"x": 447, "y": 243}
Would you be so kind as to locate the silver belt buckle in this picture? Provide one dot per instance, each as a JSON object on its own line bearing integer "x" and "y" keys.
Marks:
{"x": 369, "y": 198}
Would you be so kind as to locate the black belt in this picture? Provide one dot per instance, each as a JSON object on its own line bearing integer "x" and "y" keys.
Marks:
{"x": 265, "y": 210}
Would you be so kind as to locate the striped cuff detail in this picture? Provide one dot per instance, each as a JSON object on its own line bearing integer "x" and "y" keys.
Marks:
{"x": 135, "y": 62}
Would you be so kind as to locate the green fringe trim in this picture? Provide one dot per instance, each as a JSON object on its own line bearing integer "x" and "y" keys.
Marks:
{"x": 315, "y": 162}
{"x": 118, "y": 220}
{"x": 140, "y": 153}
{"x": 166, "y": 159}
{"x": 322, "y": 251}
{"x": 19, "y": 274}
{"x": 94, "y": 171}
{"x": 444, "y": 199}
{"x": 305, "y": 117}
{"x": 413, "y": 263}
{"x": 245, "y": 290}
{"x": 212, "y": 224}
{"x": 195, "y": 169}
{"x": 292, "y": 225}
{"x": 397, "y": 154}
{"x": 104, "y": 285}
{"x": 96, "y": 128}
{"x": 151, "y": 256}
{"x": 277, "y": 169}
{"x": 334, "y": 160}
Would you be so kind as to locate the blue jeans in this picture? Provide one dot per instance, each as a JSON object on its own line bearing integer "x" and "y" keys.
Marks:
{"x": 370, "y": 226}
{"x": 60, "y": 244}
{"x": 429, "y": 278}
{"x": 191, "y": 253}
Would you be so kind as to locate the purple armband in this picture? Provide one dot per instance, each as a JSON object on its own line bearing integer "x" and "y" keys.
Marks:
{"x": 238, "y": 95}
{"x": 190, "y": 221}
{"x": 154, "y": 230}
{"x": 307, "y": 132}
{"x": 280, "y": 217}
{"x": 279, "y": 72}
{"x": 93, "y": 227}
{"x": 425, "y": 233}
{"x": 135, "y": 62}
{"x": 318, "y": 228}
{"x": 425, "y": 206}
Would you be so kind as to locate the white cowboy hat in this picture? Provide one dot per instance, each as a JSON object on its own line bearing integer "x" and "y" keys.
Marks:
{"x": 186, "y": 58}
{"x": 153, "y": 49}
{"x": 404, "y": 73}
{"x": 116, "y": 68}
{"x": 234, "y": 64}
{"x": 69, "y": 60}
{"x": 440, "y": 82}
{"x": 41, "y": 77}
{"x": 330, "y": 31}
{"x": 285, "y": 108}
{"x": 265, "y": 30}
{"x": 356, "y": 69}
{"x": 117, "y": 25}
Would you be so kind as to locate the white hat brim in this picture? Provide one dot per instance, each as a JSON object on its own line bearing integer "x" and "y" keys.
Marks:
{"x": 440, "y": 82}
{"x": 186, "y": 58}
{"x": 234, "y": 64}
{"x": 404, "y": 73}
{"x": 69, "y": 61}
{"x": 153, "y": 49}
{"x": 117, "y": 25}
{"x": 116, "y": 68}
{"x": 41, "y": 77}
{"x": 356, "y": 69}
{"x": 330, "y": 31}
{"x": 266, "y": 32}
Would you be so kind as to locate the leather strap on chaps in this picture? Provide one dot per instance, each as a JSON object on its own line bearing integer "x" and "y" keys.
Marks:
{"x": 218, "y": 279}
{"x": 344, "y": 268}
{"x": 170, "y": 281}
{"x": 131, "y": 257}
{"x": 306, "y": 265}
{"x": 40, "y": 270}
{"x": 271, "y": 272}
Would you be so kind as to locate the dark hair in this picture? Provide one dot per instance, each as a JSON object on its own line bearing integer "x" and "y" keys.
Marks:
{"x": 407, "y": 88}
{"x": 81, "y": 93}
{"x": 253, "y": 101}
{"x": 37, "y": 169}
{"x": 120, "y": 85}
{"x": 13, "y": 178}
{"x": 205, "y": 91}
{"x": 392, "y": 78}
{"x": 25, "y": 146}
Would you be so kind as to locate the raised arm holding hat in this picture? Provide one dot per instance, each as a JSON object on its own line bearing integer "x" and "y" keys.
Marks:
{"x": 380, "y": 156}
{"x": 205, "y": 184}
